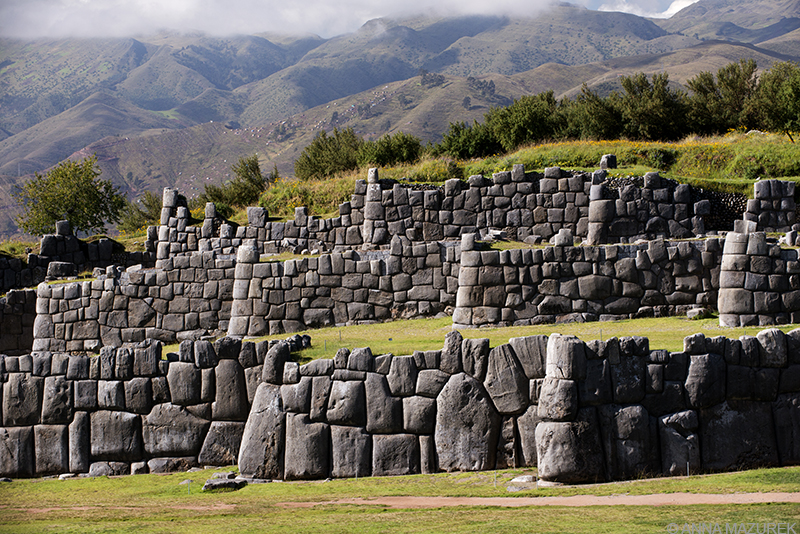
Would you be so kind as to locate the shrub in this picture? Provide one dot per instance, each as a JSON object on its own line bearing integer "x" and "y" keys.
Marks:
{"x": 328, "y": 155}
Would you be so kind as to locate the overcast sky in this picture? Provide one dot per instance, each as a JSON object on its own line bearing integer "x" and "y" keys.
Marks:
{"x": 102, "y": 18}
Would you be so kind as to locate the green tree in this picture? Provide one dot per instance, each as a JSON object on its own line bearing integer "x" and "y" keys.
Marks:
{"x": 462, "y": 141}
{"x": 725, "y": 102}
{"x": 327, "y": 155}
{"x": 777, "y": 103}
{"x": 71, "y": 191}
{"x": 145, "y": 211}
{"x": 530, "y": 119}
{"x": 652, "y": 111}
{"x": 390, "y": 150}
{"x": 244, "y": 189}
{"x": 590, "y": 116}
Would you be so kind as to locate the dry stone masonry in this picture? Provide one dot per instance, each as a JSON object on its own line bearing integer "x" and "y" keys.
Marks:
{"x": 580, "y": 411}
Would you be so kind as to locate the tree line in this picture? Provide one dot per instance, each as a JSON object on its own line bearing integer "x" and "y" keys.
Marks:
{"x": 646, "y": 109}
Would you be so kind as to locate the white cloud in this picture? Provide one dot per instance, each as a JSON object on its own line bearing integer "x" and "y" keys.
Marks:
{"x": 60, "y": 18}
{"x": 647, "y": 8}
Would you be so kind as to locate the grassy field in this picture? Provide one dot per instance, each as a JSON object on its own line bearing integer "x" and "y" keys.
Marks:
{"x": 160, "y": 503}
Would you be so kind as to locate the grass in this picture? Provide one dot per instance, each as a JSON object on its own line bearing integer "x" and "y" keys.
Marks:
{"x": 159, "y": 503}
{"x": 405, "y": 336}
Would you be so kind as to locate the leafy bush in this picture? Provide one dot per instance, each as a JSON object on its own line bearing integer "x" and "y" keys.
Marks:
{"x": 137, "y": 215}
{"x": 389, "y": 150}
{"x": 244, "y": 189}
{"x": 527, "y": 120}
{"x": 462, "y": 141}
{"x": 328, "y": 155}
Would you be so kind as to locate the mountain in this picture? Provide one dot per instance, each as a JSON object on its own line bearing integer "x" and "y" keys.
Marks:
{"x": 172, "y": 109}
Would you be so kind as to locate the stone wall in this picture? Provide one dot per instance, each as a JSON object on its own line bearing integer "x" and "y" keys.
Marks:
{"x": 773, "y": 209}
{"x": 582, "y": 412}
{"x": 187, "y": 297}
{"x": 406, "y": 280}
{"x": 585, "y": 283}
{"x": 759, "y": 281}
{"x": 17, "y": 315}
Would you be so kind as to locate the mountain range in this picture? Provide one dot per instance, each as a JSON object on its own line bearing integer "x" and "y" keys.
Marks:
{"x": 180, "y": 109}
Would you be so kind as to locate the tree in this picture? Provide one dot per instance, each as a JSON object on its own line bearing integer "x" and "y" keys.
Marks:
{"x": 71, "y": 191}
{"x": 327, "y": 154}
{"x": 143, "y": 212}
{"x": 778, "y": 98}
{"x": 529, "y": 119}
{"x": 717, "y": 105}
{"x": 462, "y": 141}
{"x": 652, "y": 111}
{"x": 244, "y": 189}
{"x": 390, "y": 150}
{"x": 590, "y": 116}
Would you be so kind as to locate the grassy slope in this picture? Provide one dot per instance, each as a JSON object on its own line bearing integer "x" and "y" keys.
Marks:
{"x": 707, "y": 17}
{"x": 159, "y": 503}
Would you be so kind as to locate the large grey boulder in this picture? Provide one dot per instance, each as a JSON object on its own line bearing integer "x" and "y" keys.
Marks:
{"x": 51, "y": 443}
{"x": 22, "y": 399}
{"x": 230, "y": 402}
{"x": 558, "y": 400}
{"x": 351, "y": 452}
{"x": 297, "y": 397}
{"x": 347, "y": 403}
{"x": 526, "y": 423}
{"x": 705, "y": 383}
{"x": 384, "y": 412}
{"x": 57, "y": 401}
{"x": 79, "y": 443}
{"x": 596, "y": 389}
{"x": 116, "y": 436}
{"x": 402, "y": 377}
{"x": 628, "y": 379}
{"x": 430, "y": 382}
{"x": 566, "y": 357}
{"x": 395, "y": 454}
{"x": 450, "y": 361}
{"x": 467, "y": 426}
{"x": 737, "y": 435}
{"x": 630, "y": 445}
{"x": 570, "y": 452}
{"x": 531, "y": 351}
{"x": 16, "y": 451}
{"x": 680, "y": 444}
{"x": 185, "y": 383}
{"x": 474, "y": 357}
{"x": 320, "y": 391}
{"x": 772, "y": 348}
{"x": 506, "y": 381}
{"x": 307, "y": 448}
{"x": 170, "y": 430}
{"x": 261, "y": 451}
{"x": 419, "y": 415}
{"x": 221, "y": 444}
{"x": 274, "y": 362}
{"x": 786, "y": 414}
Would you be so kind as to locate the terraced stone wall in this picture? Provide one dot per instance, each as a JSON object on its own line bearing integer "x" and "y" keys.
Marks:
{"x": 581, "y": 411}
{"x": 17, "y": 315}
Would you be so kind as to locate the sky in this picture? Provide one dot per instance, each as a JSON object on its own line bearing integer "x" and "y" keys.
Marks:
{"x": 327, "y": 18}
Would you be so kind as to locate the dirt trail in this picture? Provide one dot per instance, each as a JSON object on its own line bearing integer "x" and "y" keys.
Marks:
{"x": 664, "y": 499}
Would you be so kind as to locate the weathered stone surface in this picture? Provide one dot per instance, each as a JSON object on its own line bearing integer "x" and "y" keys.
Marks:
{"x": 566, "y": 357}
{"x": 772, "y": 348}
{"x": 138, "y": 395}
{"x": 526, "y": 423}
{"x": 450, "y": 361}
{"x": 22, "y": 399}
{"x": 419, "y": 415}
{"x": 185, "y": 383}
{"x": 16, "y": 451}
{"x": 680, "y": 444}
{"x": 347, "y": 403}
{"x": 51, "y": 446}
{"x": 230, "y": 402}
{"x": 261, "y": 451}
{"x": 395, "y": 454}
{"x": 531, "y": 351}
{"x": 170, "y": 430}
{"x": 109, "y": 469}
{"x": 786, "y": 414}
{"x": 628, "y": 441}
{"x": 221, "y": 444}
{"x": 736, "y": 435}
{"x": 204, "y": 354}
{"x": 402, "y": 377}
{"x": 320, "y": 391}
{"x": 297, "y": 397}
{"x": 384, "y": 412}
{"x": 570, "y": 452}
{"x": 506, "y": 382}
{"x": 596, "y": 389}
{"x": 57, "y": 402}
{"x": 705, "y": 383}
{"x": 430, "y": 382}
{"x": 628, "y": 378}
{"x": 467, "y": 425}
{"x": 116, "y": 436}
{"x": 79, "y": 443}
{"x": 351, "y": 452}
{"x": 474, "y": 357}
{"x": 171, "y": 465}
{"x": 307, "y": 449}
{"x": 274, "y": 361}
{"x": 558, "y": 400}
{"x": 111, "y": 394}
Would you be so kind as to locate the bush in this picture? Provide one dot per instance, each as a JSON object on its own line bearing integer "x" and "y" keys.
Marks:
{"x": 329, "y": 155}
{"x": 136, "y": 216}
{"x": 467, "y": 142}
{"x": 389, "y": 150}
{"x": 244, "y": 189}
{"x": 528, "y": 120}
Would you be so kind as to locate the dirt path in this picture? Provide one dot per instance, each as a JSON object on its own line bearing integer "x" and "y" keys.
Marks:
{"x": 665, "y": 499}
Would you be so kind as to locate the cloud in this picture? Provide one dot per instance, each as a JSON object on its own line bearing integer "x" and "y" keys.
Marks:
{"x": 116, "y": 18}
{"x": 647, "y": 8}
